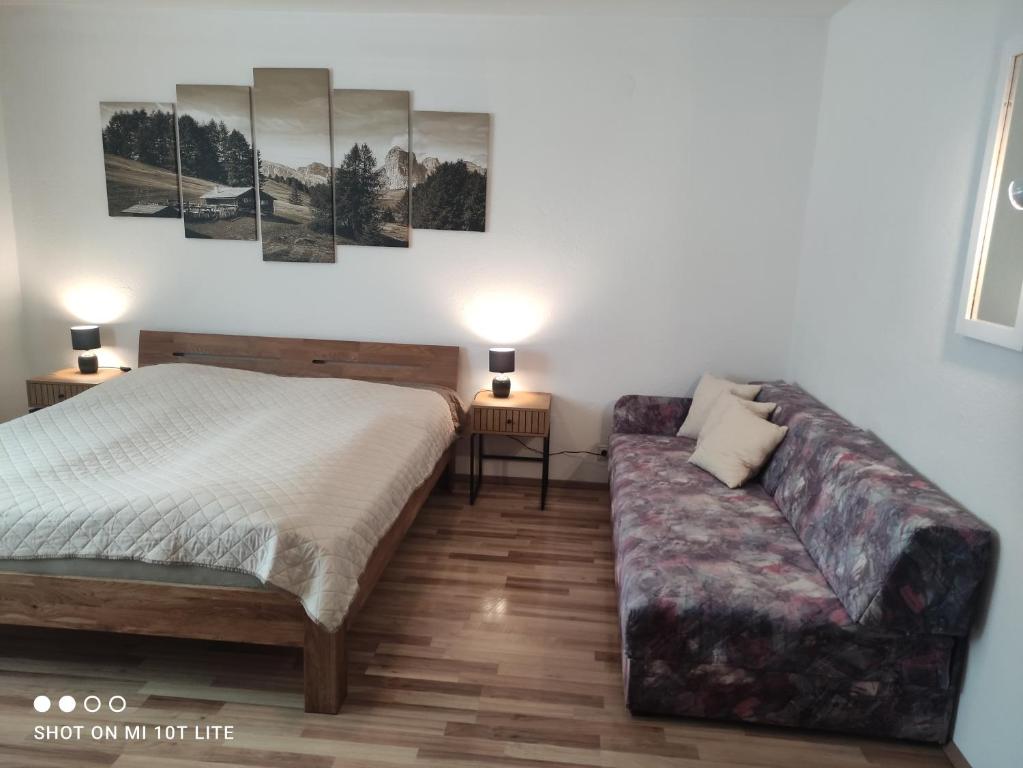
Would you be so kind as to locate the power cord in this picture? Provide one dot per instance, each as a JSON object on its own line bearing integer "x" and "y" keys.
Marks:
{"x": 553, "y": 453}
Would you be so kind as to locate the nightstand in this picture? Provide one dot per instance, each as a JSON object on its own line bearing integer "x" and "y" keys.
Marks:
{"x": 521, "y": 414}
{"x": 58, "y": 386}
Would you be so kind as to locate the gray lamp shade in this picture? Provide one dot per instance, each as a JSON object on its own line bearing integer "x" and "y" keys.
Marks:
{"x": 85, "y": 337}
{"x": 502, "y": 360}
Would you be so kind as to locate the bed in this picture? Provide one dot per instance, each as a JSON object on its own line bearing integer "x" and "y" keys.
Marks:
{"x": 199, "y": 497}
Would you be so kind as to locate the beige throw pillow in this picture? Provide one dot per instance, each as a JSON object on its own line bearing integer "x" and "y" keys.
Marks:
{"x": 707, "y": 392}
{"x": 737, "y": 446}
{"x": 760, "y": 410}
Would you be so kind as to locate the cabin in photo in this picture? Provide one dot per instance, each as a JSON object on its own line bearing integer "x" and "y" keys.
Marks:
{"x": 167, "y": 210}
{"x": 241, "y": 198}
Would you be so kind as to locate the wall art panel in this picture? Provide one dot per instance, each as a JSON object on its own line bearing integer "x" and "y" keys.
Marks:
{"x": 371, "y": 162}
{"x": 293, "y": 145}
{"x": 218, "y": 179}
{"x": 449, "y": 170}
{"x": 140, "y": 158}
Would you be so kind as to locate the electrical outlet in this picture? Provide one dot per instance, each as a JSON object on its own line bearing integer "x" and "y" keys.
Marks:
{"x": 601, "y": 448}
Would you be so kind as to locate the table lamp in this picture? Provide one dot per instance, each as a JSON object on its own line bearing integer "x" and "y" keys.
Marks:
{"x": 502, "y": 361}
{"x": 85, "y": 338}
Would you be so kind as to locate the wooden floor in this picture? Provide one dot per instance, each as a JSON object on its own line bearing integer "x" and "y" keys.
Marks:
{"x": 490, "y": 641}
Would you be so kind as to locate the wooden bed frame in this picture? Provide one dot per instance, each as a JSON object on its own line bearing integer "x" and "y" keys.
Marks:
{"x": 239, "y": 614}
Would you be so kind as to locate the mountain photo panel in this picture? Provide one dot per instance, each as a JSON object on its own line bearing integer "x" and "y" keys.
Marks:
{"x": 371, "y": 161}
{"x": 140, "y": 158}
{"x": 293, "y": 145}
{"x": 218, "y": 180}
{"x": 448, "y": 170}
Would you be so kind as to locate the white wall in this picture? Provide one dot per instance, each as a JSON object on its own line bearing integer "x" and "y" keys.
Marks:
{"x": 12, "y": 363}
{"x": 908, "y": 93}
{"x": 648, "y": 183}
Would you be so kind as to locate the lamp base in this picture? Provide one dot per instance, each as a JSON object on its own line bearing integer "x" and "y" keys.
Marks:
{"x": 501, "y": 386}
{"x": 88, "y": 363}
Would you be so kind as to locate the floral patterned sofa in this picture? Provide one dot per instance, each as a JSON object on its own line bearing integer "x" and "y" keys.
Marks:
{"x": 835, "y": 591}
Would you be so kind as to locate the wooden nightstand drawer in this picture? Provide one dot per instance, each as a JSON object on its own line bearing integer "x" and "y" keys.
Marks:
{"x": 61, "y": 385}
{"x": 510, "y": 421}
{"x": 41, "y": 394}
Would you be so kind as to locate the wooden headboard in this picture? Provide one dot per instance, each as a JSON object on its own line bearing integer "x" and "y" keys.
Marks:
{"x": 370, "y": 360}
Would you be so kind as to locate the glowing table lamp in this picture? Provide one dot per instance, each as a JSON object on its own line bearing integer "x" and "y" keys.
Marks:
{"x": 85, "y": 339}
{"x": 502, "y": 361}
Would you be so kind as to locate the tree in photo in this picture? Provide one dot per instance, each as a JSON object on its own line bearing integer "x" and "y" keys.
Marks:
{"x": 190, "y": 134}
{"x": 452, "y": 197}
{"x": 259, "y": 168}
{"x": 238, "y": 160}
{"x": 120, "y": 136}
{"x": 209, "y": 166}
{"x": 146, "y": 137}
{"x": 401, "y": 213}
{"x": 210, "y": 152}
{"x": 218, "y": 139}
{"x": 358, "y": 188}
{"x": 295, "y": 195}
{"x": 156, "y": 141}
{"x": 321, "y": 201}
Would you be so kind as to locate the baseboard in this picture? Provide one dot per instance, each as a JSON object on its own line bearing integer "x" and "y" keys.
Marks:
{"x": 956, "y": 757}
{"x": 508, "y": 480}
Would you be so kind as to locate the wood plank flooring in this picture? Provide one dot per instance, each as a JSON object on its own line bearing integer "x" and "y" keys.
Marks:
{"x": 491, "y": 640}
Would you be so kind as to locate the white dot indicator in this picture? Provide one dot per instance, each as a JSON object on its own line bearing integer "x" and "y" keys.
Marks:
{"x": 41, "y": 704}
{"x": 67, "y": 703}
{"x": 117, "y": 704}
{"x": 92, "y": 704}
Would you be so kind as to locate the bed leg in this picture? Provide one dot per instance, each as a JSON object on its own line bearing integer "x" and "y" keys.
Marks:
{"x": 326, "y": 669}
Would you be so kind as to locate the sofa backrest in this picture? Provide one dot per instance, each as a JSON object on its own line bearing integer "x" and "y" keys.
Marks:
{"x": 898, "y": 552}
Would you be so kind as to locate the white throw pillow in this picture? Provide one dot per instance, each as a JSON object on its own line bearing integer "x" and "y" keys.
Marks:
{"x": 737, "y": 446}
{"x": 760, "y": 410}
{"x": 707, "y": 392}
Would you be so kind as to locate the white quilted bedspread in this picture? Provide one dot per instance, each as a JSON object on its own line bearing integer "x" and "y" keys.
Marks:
{"x": 291, "y": 480}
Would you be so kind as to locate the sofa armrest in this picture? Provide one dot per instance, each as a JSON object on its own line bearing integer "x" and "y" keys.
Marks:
{"x": 934, "y": 583}
{"x": 650, "y": 414}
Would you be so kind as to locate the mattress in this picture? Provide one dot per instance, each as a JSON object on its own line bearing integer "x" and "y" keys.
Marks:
{"x": 288, "y": 481}
{"x": 132, "y": 570}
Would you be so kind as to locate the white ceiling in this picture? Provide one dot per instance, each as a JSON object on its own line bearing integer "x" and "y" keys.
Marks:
{"x": 737, "y": 8}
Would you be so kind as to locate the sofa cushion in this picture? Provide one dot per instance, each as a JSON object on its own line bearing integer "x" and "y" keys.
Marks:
{"x": 709, "y": 575}
{"x": 709, "y": 390}
{"x": 898, "y": 552}
{"x": 735, "y": 447}
{"x": 758, "y": 409}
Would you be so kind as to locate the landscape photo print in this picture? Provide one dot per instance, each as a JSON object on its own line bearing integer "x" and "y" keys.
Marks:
{"x": 140, "y": 159}
{"x": 293, "y": 141}
{"x": 448, "y": 170}
{"x": 371, "y": 162}
{"x": 218, "y": 180}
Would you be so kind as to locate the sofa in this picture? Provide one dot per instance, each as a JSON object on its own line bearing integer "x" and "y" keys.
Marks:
{"x": 834, "y": 591}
